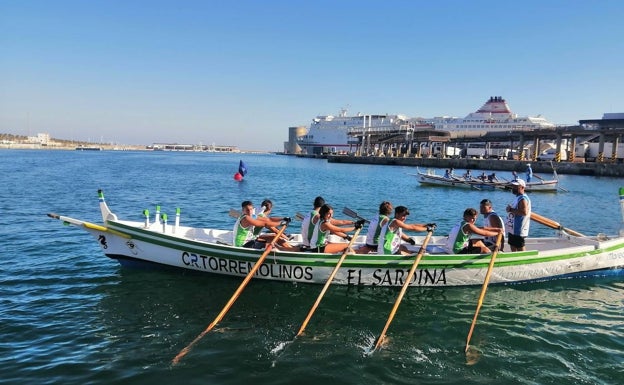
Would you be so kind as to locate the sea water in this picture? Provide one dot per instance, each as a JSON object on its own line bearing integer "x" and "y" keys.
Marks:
{"x": 70, "y": 315}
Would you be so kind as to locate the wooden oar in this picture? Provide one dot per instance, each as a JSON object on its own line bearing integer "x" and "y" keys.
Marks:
{"x": 484, "y": 288}
{"x": 237, "y": 293}
{"x": 329, "y": 280}
{"x": 554, "y": 225}
{"x": 423, "y": 247}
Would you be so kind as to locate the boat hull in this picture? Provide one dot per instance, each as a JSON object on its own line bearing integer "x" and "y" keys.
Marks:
{"x": 128, "y": 242}
{"x": 210, "y": 251}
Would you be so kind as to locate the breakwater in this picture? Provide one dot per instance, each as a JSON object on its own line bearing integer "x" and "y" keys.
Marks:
{"x": 574, "y": 168}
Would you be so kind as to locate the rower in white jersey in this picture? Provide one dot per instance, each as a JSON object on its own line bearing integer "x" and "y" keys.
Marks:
{"x": 491, "y": 222}
{"x": 374, "y": 228}
{"x": 307, "y": 227}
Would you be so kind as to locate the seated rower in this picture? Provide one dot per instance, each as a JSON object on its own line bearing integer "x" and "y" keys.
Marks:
{"x": 245, "y": 225}
{"x": 306, "y": 225}
{"x": 375, "y": 226}
{"x": 459, "y": 241}
{"x": 265, "y": 211}
{"x": 324, "y": 226}
{"x": 392, "y": 233}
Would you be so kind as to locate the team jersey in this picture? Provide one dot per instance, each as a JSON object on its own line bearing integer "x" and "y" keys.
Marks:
{"x": 519, "y": 224}
{"x": 488, "y": 222}
{"x": 374, "y": 229}
{"x": 242, "y": 234}
{"x": 307, "y": 227}
{"x": 319, "y": 237}
{"x": 457, "y": 240}
{"x": 390, "y": 239}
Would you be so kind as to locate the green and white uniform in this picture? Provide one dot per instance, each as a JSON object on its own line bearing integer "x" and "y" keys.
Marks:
{"x": 242, "y": 234}
{"x": 319, "y": 237}
{"x": 390, "y": 240}
{"x": 458, "y": 239}
{"x": 307, "y": 227}
{"x": 258, "y": 230}
{"x": 374, "y": 230}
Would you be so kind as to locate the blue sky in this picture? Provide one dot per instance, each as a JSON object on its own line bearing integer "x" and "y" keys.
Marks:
{"x": 241, "y": 72}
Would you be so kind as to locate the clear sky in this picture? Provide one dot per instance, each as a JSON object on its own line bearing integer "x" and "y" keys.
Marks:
{"x": 242, "y": 72}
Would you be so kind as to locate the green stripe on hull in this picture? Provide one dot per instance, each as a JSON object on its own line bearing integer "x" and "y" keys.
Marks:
{"x": 429, "y": 261}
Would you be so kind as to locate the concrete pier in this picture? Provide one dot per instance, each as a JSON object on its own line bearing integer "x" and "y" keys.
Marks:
{"x": 589, "y": 168}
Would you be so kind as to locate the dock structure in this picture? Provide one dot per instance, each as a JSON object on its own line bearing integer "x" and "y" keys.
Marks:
{"x": 403, "y": 146}
{"x": 610, "y": 126}
{"x": 410, "y": 141}
{"x": 406, "y": 139}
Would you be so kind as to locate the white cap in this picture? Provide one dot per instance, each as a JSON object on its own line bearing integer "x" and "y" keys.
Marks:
{"x": 519, "y": 182}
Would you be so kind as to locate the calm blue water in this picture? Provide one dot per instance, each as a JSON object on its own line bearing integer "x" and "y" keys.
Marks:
{"x": 69, "y": 315}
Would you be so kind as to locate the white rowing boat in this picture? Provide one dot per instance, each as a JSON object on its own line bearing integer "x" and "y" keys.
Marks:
{"x": 210, "y": 251}
{"x": 430, "y": 178}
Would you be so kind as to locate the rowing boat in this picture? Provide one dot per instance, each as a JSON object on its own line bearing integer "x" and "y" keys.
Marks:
{"x": 430, "y": 178}
{"x": 210, "y": 251}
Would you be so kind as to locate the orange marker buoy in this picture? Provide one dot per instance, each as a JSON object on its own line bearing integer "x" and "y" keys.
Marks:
{"x": 238, "y": 177}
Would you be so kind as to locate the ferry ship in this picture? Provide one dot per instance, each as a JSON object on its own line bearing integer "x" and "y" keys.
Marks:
{"x": 494, "y": 115}
{"x": 329, "y": 134}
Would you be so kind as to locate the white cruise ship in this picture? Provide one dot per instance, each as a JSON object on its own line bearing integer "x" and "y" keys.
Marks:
{"x": 329, "y": 134}
{"x": 494, "y": 115}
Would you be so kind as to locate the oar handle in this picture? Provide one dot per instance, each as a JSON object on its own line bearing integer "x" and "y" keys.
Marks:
{"x": 553, "y": 224}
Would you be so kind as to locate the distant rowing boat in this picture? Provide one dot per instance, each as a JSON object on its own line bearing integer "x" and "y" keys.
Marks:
{"x": 430, "y": 178}
{"x": 88, "y": 148}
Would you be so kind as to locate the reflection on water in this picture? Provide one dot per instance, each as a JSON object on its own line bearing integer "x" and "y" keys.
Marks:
{"x": 164, "y": 311}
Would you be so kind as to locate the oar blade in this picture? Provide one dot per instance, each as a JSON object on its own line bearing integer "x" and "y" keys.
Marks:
{"x": 234, "y": 297}
{"x": 406, "y": 283}
{"x": 350, "y": 213}
{"x": 353, "y": 214}
{"x": 328, "y": 282}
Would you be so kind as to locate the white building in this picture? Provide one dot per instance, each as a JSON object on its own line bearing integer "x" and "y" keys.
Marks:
{"x": 41, "y": 138}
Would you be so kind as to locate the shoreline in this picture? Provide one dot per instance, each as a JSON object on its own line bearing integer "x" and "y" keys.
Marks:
{"x": 108, "y": 147}
{"x": 606, "y": 169}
